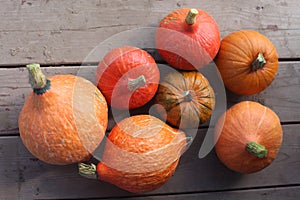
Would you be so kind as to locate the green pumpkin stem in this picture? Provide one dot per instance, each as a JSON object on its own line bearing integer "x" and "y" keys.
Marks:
{"x": 136, "y": 83}
{"x": 256, "y": 149}
{"x": 187, "y": 96}
{"x": 259, "y": 62}
{"x": 87, "y": 170}
{"x": 191, "y": 16}
{"x": 37, "y": 79}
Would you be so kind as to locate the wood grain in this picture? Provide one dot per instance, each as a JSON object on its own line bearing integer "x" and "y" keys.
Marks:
{"x": 24, "y": 177}
{"x": 55, "y": 32}
{"x": 282, "y": 95}
{"x": 72, "y": 32}
{"x": 286, "y": 193}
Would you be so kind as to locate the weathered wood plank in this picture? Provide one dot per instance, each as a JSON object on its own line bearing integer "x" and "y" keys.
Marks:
{"x": 286, "y": 193}
{"x": 282, "y": 96}
{"x": 24, "y": 177}
{"x": 65, "y": 32}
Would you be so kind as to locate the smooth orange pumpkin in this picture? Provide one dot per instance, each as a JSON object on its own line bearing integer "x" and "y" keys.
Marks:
{"x": 141, "y": 154}
{"x": 185, "y": 99}
{"x": 188, "y": 38}
{"x": 247, "y": 61}
{"x": 250, "y": 137}
{"x": 128, "y": 77}
{"x": 64, "y": 119}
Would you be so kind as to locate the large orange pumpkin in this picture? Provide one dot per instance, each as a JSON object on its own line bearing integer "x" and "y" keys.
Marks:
{"x": 128, "y": 77}
{"x": 250, "y": 137}
{"x": 64, "y": 119}
{"x": 140, "y": 155}
{"x": 185, "y": 99}
{"x": 247, "y": 61}
{"x": 188, "y": 38}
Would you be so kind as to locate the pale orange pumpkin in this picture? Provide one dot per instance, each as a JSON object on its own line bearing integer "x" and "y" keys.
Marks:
{"x": 64, "y": 119}
{"x": 250, "y": 137}
{"x": 141, "y": 154}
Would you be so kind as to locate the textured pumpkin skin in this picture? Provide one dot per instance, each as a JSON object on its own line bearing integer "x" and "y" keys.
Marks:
{"x": 141, "y": 154}
{"x": 149, "y": 182}
{"x": 186, "y": 46}
{"x": 237, "y": 52}
{"x": 170, "y": 99}
{"x": 57, "y": 127}
{"x": 246, "y": 122}
{"x": 121, "y": 65}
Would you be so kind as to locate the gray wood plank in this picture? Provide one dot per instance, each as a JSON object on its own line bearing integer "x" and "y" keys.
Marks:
{"x": 282, "y": 95}
{"x": 24, "y": 177}
{"x": 286, "y": 193}
{"x": 66, "y": 32}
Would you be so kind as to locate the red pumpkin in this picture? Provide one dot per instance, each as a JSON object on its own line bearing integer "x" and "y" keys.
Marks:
{"x": 247, "y": 61}
{"x": 128, "y": 77}
{"x": 188, "y": 38}
{"x": 141, "y": 154}
{"x": 250, "y": 137}
{"x": 64, "y": 119}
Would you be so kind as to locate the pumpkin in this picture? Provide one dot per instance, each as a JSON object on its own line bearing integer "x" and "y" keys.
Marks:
{"x": 128, "y": 77}
{"x": 64, "y": 119}
{"x": 247, "y": 61}
{"x": 250, "y": 137}
{"x": 188, "y": 38}
{"x": 185, "y": 99}
{"x": 141, "y": 154}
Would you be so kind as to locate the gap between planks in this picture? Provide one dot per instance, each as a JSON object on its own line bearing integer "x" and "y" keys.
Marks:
{"x": 158, "y": 61}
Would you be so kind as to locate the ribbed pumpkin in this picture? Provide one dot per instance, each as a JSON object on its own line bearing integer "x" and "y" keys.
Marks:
{"x": 185, "y": 99}
{"x": 188, "y": 38}
{"x": 128, "y": 77}
{"x": 247, "y": 61}
{"x": 250, "y": 137}
{"x": 141, "y": 154}
{"x": 64, "y": 119}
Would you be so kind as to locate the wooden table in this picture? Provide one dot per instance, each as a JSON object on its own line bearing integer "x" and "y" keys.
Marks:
{"x": 60, "y": 34}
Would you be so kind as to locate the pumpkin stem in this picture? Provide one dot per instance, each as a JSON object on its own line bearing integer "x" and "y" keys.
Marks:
{"x": 37, "y": 79}
{"x": 191, "y": 16}
{"x": 136, "y": 83}
{"x": 259, "y": 62}
{"x": 187, "y": 97}
{"x": 87, "y": 170}
{"x": 256, "y": 149}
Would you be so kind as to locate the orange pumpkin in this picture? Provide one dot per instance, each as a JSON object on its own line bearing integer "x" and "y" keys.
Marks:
{"x": 188, "y": 38}
{"x": 140, "y": 155}
{"x": 250, "y": 137}
{"x": 247, "y": 61}
{"x": 128, "y": 77}
{"x": 185, "y": 99}
{"x": 64, "y": 119}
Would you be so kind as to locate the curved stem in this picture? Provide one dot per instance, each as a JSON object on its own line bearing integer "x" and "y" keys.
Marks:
{"x": 259, "y": 62}
{"x": 191, "y": 16}
{"x": 256, "y": 149}
{"x": 187, "y": 96}
{"x": 136, "y": 83}
{"x": 37, "y": 79}
{"x": 87, "y": 170}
